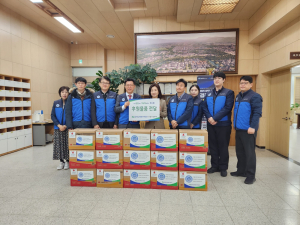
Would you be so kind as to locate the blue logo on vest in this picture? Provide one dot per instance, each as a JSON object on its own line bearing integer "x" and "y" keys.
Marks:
{"x": 160, "y": 157}
{"x": 106, "y": 139}
{"x": 160, "y": 139}
{"x": 161, "y": 176}
{"x": 80, "y": 175}
{"x": 134, "y": 175}
{"x": 190, "y": 139}
{"x": 134, "y": 138}
{"x": 134, "y": 155}
{"x": 107, "y": 175}
{"x": 105, "y": 157}
{"x": 188, "y": 178}
{"x": 189, "y": 158}
{"x": 80, "y": 155}
{"x": 57, "y": 105}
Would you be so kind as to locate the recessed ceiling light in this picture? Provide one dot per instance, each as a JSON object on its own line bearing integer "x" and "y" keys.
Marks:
{"x": 67, "y": 24}
{"x": 110, "y": 36}
{"x": 218, "y": 6}
{"x": 36, "y": 1}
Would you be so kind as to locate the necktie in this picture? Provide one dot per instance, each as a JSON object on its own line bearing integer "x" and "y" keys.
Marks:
{"x": 129, "y": 97}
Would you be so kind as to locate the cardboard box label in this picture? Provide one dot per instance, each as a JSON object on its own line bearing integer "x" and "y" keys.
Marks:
{"x": 110, "y": 158}
{"x": 84, "y": 140}
{"x": 165, "y": 178}
{"x": 85, "y": 176}
{"x": 194, "y": 180}
{"x": 138, "y": 176}
{"x": 138, "y": 157}
{"x": 99, "y": 134}
{"x": 99, "y": 153}
{"x": 100, "y": 172}
{"x": 139, "y": 140}
{"x": 72, "y": 134}
{"x": 165, "y": 159}
{"x": 111, "y": 140}
{"x": 194, "y": 160}
{"x": 165, "y": 140}
{"x": 126, "y": 134}
{"x": 73, "y": 171}
{"x": 183, "y": 136}
{"x": 73, "y": 153}
{"x": 197, "y": 141}
{"x": 85, "y": 156}
{"x": 112, "y": 177}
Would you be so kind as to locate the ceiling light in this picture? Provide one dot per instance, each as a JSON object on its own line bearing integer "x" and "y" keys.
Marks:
{"x": 218, "y": 6}
{"x": 36, "y": 1}
{"x": 110, "y": 36}
{"x": 67, "y": 24}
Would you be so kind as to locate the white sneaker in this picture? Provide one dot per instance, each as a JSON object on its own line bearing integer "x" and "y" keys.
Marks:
{"x": 61, "y": 166}
{"x": 66, "y": 166}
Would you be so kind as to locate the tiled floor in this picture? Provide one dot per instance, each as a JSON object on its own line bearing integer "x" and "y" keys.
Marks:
{"x": 294, "y": 152}
{"x": 32, "y": 191}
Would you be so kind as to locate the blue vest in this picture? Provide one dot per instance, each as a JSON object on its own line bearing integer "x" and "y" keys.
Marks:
{"x": 178, "y": 107}
{"x": 197, "y": 102}
{"x": 124, "y": 116}
{"x": 243, "y": 111}
{"x": 60, "y": 113}
{"x": 81, "y": 109}
{"x": 216, "y": 102}
{"x": 105, "y": 109}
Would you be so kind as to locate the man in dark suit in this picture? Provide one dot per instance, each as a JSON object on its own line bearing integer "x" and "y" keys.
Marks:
{"x": 122, "y": 104}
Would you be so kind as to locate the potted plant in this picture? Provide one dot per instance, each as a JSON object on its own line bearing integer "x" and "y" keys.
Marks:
{"x": 114, "y": 77}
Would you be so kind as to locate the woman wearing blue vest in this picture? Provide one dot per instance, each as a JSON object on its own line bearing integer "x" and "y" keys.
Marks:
{"x": 58, "y": 116}
{"x": 78, "y": 107}
{"x": 197, "y": 110}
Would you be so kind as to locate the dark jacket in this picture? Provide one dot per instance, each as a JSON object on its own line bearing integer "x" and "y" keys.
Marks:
{"x": 247, "y": 110}
{"x": 124, "y": 115}
{"x": 181, "y": 110}
{"x": 197, "y": 113}
{"x": 58, "y": 113}
{"x": 78, "y": 111}
{"x": 102, "y": 110}
{"x": 219, "y": 106}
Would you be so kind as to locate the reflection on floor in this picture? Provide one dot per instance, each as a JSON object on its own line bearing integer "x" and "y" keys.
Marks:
{"x": 32, "y": 191}
{"x": 294, "y": 151}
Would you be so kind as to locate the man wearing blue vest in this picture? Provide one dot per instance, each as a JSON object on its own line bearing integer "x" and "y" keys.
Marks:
{"x": 103, "y": 114}
{"x": 217, "y": 108}
{"x": 180, "y": 107}
{"x": 78, "y": 107}
{"x": 247, "y": 111}
{"x": 122, "y": 105}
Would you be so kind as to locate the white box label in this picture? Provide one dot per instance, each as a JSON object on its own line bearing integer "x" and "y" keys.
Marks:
{"x": 73, "y": 171}
{"x": 73, "y": 154}
{"x": 153, "y": 154}
{"x": 72, "y": 134}
{"x": 166, "y": 159}
{"x": 99, "y": 172}
{"x": 182, "y": 154}
{"x": 167, "y": 178}
{"x": 85, "y": 176}
{"x": 112, "y": 176}
{"x": 84, "y": 140}
{"x": 99, "y": 153}
{"x": 194, "y": 180}
{"x": 182, "y": 174}
{"x": 195, "y": 141}
{"x": 194, "y": 161}
{"x": 85, "y": 156}
{"x": 99, "y": 134}
{"x": 126, "y": 134}
{"x": 153, "y": 136}
{"x": 138, "y": 157}
{"x": 139, "y": 176}
{"x": 110, "y": 158}
{"x": 139, "y": 140}
{"x": 166, "y": 141}
{"x": 183, "y": 136}
{"x": 111, "y": 140}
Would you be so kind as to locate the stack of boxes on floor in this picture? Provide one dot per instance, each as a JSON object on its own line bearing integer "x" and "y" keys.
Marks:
{"x": 139, "y": 158}
{"x": 193, "y": 146}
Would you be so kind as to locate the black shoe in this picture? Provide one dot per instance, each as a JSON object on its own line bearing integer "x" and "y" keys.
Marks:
{"x": 224, "y": 173}
{"x": 213, "y": 170}
{"x": 249, "y": 180}
{"x": 236, "y": 174}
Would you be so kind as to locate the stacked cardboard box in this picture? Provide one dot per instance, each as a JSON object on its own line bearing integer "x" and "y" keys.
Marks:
{"x": 82, "y": 157}
{"x": 136, "y": 158}
{"x": 193, "y": 145}
{"x": 164, "y": 159}
{"x": 109, "y": 158}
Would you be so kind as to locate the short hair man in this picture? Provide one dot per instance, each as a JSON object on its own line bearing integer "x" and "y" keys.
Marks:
{"x": 122, "y": 104}
{"x": 180, "y": 107}
{"x": 103, "y": 114}
{"x": 247, "y": 111}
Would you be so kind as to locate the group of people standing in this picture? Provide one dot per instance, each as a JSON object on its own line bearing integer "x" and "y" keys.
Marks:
{"x": 81, "y": 107}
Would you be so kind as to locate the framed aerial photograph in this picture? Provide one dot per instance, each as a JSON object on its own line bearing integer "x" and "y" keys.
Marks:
{"x": 189, "y": 52}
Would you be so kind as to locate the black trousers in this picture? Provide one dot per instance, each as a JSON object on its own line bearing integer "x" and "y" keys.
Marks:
{"x": 106, "y": 124}
{"x": 245, "y": 152}
{"x": 218, "y": 142}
